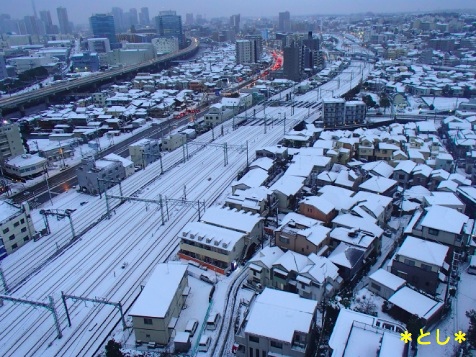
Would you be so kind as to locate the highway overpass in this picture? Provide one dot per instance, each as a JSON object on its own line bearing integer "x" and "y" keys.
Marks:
{"x": 19, "y": 101}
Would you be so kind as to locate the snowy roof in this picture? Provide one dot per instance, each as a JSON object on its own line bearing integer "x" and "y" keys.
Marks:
{"x": 378, "y": 184}
{"x": 340, "y": 197}
{"x": 444, "y": 219}
{"x": 263, "y": 162}
{"x": 288, "y": 185}
{"x": 350, "y": 221}
{"x": 299, "y": 219}
{"x": 346, "y": 255}
{"x": 253, "y": 178}
{"x": 160, "y": 290}
{"x": 320, "y": 203}
{"x": 7, "y": 211}
{"x": 26, "y": 160}
{"x": 415, "y": 303}
{"x": 285, "y": 312}
{"x": 343, "y": 327}
{"x": 352, "y": 237}
{"x": 387, "y": 279}
{"x": 115, "y": 157}
{"x": 443, "y": 199}
{"x": 405, "y": 166}
{"x": 230, "y": 218}
{"x": 424, "y": 251}
{"x": 212, "y": 236}
{"x": 267, "y": 256}
{"x": 380, "y": 168}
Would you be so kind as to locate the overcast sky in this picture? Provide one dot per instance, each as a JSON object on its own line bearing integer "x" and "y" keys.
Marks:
{"x": 80, "y": 10}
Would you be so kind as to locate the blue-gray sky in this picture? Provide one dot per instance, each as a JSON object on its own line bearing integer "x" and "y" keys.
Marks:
{"x": 80, "y": 10}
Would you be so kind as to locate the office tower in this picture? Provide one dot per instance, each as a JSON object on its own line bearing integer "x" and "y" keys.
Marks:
{"x": 310, "y": 52}
{"x": 3, "y": 68}
{"x": 133, "y": 17}
{"x": 63, "y": 20}
{"x": 45, "y": 17}
{"x": 102, "y": 26}
{"x": 32, "y": 25}
{"x": 249, "y": 50}
{"x": 189, "y": 19}
{"x": 256, "y": 47}
{"x": 144, "y": 16}
{"x": 292, "y": 58}
{"x": 118, "y": 18}
{"x": 170, "y": 24}
{"x": 284, "y": 22}
{"x": 235, "y": 22}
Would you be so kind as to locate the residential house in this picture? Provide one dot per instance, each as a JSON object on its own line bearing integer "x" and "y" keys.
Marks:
{"x": 16, "y": 227}
{"x": 358, "y": 334}
{"x": 384, "y": 283}
{"x": 444, "y": 161}
{"x": 445, "y": 199}
{"x": 357, "y": 238}
{"x": 436, "y": 177}
{"x": 288, "y": 191}
{"x": 217, "y": 248}
{"x": 380, "y": 185}
{"x": 260, "y": 267}
{"x": 160, "y": 303}
{"x": 384, "y": 151}
{"x": 293, "y": 319}
{"x": 278, "y": 153}
{"x": 291, "y": 236}
{"x": 421, "y": 263}
{"x": 421, "y": 175}
{"x": 318, "y": 208}
{"x": 258, "y": 200}
{"x": 441, "y": 224}
{"x": 403, "y": 173}
{"x": 97, "y": 176}
{"x": 253, "y": 178}
{"x": 349, "y": 260}
{"x": 144, "y": 152}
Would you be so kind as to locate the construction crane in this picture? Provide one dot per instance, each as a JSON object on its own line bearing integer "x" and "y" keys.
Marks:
{"x": 59, "y": 214}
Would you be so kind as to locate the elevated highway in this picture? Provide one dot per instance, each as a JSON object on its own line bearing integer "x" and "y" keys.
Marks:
{"x": 19, "y": 101}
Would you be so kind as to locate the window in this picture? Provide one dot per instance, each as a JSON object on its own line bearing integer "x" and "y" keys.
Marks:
{"x": 284, "y": 240}
{"x": 147, "y": 321}
{"x": 409, "y": 262}
{"x": 6, "y": 230}
{"x": 15, "y": 246}
{"x": 375, "y": 286}
{"x": 26, "y": 239}
{"x": 425, "y": 267}
{"x": 12, "y": 237}
{"x": 433, "y": 232}
{"x": 254, "y": 339}
{"x": 276, "y": 344}
{"x": 22, "y": 221}
{"x": 16, "y": 224}
{"x": 23, "y": 229}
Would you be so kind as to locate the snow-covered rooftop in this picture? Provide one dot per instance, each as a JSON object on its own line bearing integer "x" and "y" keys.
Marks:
{"x": 424, "y": 251}
{"x": 388, "y": 279}
{"x": 159, "y": 292}
{"x": 415, "y": 303}
{"x": 230, "y": 218}
{"x": 444, "y": 219}
{"x": 285, "y": 312}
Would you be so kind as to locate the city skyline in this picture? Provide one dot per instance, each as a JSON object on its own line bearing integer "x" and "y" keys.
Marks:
{"x": 80, "y": 12}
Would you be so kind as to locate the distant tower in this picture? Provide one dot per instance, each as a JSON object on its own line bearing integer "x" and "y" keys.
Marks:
{"x": 102, "y": 25}
{"x": 34, "y": 8}
{"x": 235, "y": 23}
{"x": 170, "y": 24}
{"x": 63, "y": 20}
{"x": 144, "y": 16}
{"x": 284, "y": 21}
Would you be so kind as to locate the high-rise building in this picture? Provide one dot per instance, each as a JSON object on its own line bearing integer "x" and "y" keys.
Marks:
{"x": 284, "y": 22}
{"x": 189, "y": 19}
{"x": 292, "y": 58}
{"x": 133, "y": 17}
{"x": 63, "y": 20}
{"x": 235, "y": 22}
{"x": 310, "y": 52}
{"x": 118, "y": 18}
{"x": 3, "y": 68}
{"x": 144, "y": 16}
{"x": 45, "y": 17}
{"x": 170, "y": 24}
{"x": 33, "y": 26}
{"x": 249, "y": 50}
{"x": 11, "y": 143}
{"x": 102, "y": 25}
